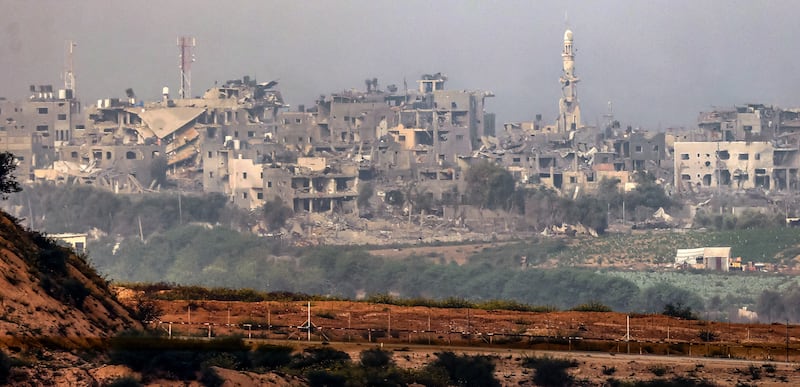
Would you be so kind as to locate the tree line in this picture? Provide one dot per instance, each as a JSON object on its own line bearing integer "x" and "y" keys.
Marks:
{"x": 193, "y": 255}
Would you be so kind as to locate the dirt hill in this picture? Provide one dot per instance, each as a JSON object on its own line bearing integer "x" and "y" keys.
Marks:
{"x": 51, "y": 296}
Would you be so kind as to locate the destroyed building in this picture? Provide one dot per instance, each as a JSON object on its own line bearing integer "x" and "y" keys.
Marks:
{"x": 745, "y": 147}
{"x": 399, "y": 137}
{"x": 241, "y": 140}
{"x": 32, "y": 128}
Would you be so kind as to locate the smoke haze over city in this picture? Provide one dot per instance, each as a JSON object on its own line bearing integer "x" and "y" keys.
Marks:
{"x": 658, "y": 62}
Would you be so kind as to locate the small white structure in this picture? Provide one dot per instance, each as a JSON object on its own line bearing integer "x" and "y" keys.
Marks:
{"x": 709, "y": 258}
{"x": 77, "y": 241}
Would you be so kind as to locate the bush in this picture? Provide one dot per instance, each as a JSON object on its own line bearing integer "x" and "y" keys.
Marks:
{"x": 75, "y": 291}
{"x": 53, "y": 259}
{"x": 5, "y": 367}
{"x": 174, "y": 359}
{"x": 679, "y": 310}
{"x": 210, "y": 378}
{"x": 592, "y": 306}
{"x": 271, "y": 356}
{"x": 319, "y": 378}
{"x": 467, "y": 370}
{"x": 550, "y": 371}
{"x": 707, "y": 335}
{"x": 754, "y": 372}
{"x": 8, "y": 184}
{"x": 375, "y": 358}
{"x": 124, "y": 381}
{"x": 659, "y": 370}
{"x": 145, "y": 309}
{"x": 320, "y": 357}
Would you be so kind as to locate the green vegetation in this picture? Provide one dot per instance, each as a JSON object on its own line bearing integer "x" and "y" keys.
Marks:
{"x": 489, "y": 185}
{"x": 276, "y": 213}
{"x": 551, "y": 371}
{"x": 773, "y": 245}
{"x": 592, "y": 306}
{"x": 76, "y": 208}
{"x": 179, "y": 251}
{"x": 5, "y": 367}
{"x": 677, "y": 381}
{"x": 745, "y": 221}
{"x": 126, "y": 381}
{"x": 158, "y": 357}
{"x": 270, "y": 356}
{"x": 679, "y": 310}
{"x": 465, "y": 370}
{"x": 225, "y": 259}
{"x": 8, "y": 184}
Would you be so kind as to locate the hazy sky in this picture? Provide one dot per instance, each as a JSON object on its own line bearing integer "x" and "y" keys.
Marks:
{"x": 659, "y": 62}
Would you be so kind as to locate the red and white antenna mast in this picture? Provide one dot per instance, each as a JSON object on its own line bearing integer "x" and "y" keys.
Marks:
{"x": 186, "y": 43}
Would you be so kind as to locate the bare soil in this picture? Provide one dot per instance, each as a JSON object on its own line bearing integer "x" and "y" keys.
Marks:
{"x": 660, "y": 346}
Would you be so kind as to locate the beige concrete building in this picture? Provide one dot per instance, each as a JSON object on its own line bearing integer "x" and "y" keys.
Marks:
{"x": 734, "y": 165}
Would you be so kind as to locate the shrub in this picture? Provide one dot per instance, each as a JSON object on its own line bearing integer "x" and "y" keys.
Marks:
{"x": 659, "y": 370}
{"x": 467, "y": 370}
{"x": 145, "y": 309}
{"x": 679, "y": 310}
{"x": 8, "y": 184}
{"x": 550, "y": 371}
{"x": 5, "y": 367}
{"x": 124, "y": 381}
{"x": 754, "y": 372}
{"x": 592, "y": 306}
{"x": 75, "y": 291}
{"x": 319, "y": 378}
{"x": 271, "y": 356}
{"x": 174, "y": 359}
{"x": 320, "y": 357}
{"x": 53, "y": 259}
{"x": 326, "y": 315}
{"x": 375, "y": 358}
{"x": 707, "y": 335}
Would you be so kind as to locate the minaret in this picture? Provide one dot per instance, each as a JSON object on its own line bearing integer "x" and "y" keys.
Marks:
{"x": 569, "y": 112}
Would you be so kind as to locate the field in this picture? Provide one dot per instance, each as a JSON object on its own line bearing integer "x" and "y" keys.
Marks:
{"x": 650, "y": 248}
{"x": 659, "y": 346}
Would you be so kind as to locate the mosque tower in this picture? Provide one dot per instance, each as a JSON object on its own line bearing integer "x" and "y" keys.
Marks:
{"x": 569, "y": 111}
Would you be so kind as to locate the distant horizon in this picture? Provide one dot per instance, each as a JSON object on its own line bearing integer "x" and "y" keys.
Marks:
{"x": 659, "y": 63}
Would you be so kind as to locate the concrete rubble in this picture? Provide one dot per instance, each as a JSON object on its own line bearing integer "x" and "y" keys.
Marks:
{"x": 242, "y": 140}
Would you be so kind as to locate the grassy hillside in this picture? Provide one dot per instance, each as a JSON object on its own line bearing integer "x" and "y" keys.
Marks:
{"x": 51, "y": 294}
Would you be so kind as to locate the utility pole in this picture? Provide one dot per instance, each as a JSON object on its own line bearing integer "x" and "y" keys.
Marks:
{"x": 180, "y": 210}
{"x": 141, "y": 233}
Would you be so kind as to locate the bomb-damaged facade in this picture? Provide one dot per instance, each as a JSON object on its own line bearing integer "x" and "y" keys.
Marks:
{"x": 242, "y": 140}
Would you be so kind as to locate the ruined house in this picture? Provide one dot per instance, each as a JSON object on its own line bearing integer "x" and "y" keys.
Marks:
{"x": 735, "y": 165}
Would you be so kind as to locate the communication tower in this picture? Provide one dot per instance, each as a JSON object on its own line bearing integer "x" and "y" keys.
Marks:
{"x": 69, "y": 68}
{"x": 186, "y": 44}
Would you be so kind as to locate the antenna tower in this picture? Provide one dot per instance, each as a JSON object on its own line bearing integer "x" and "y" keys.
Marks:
{"x": 69, "y": 67}
{"x": 609, "y": 116}
{"x": 186, "y": 44}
